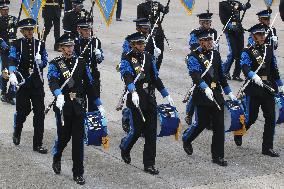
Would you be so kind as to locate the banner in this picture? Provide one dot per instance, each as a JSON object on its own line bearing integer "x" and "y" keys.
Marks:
{"x": 107, "y": 9}
{"x": 32, "y": 8}
{"x": 268, "y": 3}
{"x": 188, "y": 5}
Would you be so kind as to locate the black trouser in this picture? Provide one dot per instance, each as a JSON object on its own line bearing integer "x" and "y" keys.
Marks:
{"x": 51, "y": 16}
{"x": 118, "y": 8}
{"x": 73, "y": 127}
{"x": 91, "y": 102}
{"x": 25, "y": 97}
{"x": 236, "y": 44}
{"x": 149, "y": 129}
{"x": 207, "y": 115}
{"x": 91, "y": 99}
{"x": 159, "y": 39}
{"x": 267, "y": 105}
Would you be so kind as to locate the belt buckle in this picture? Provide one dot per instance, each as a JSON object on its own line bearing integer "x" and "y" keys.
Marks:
{"x": 213, "y": 85}
{"x": 264, "y": 78}
{"x": 72, "y": 96}
{"x": 234, "y": 23}
{"x": 145, "y": 85}
{"x": 31, "y": 71}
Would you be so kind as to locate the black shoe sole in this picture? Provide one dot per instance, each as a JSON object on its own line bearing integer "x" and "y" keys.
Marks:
{"x": 151, "y": 173}
{"x": 223, "y": 164}
{"x": 80, "y": 183}
{"x": 270, "y": 155}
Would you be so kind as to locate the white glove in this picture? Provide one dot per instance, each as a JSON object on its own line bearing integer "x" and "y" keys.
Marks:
{"x": 215, "y": 45}
{"x": 135, "y": 99}
{"x": 38, "y": 59}
{"x": 257, "y": 80}
{"x": 209, "y": 93}
{"x": 102, "y": 110}
{"x": 170, "y": 100}
{"x": 157, "y": 52}
{"x": 60, "y": 101}
{"x": 281, "y": 89}
{"x": 98, "y": 53}
{"x": 13, "y": 79}
{"x": 232, "y": 96}
{"x": 274, "y": 39}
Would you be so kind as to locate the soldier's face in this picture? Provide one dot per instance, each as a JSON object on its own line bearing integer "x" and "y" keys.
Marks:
{"x": 139, "y": 47}
{"x": 206, "y": 24}
{"x": 28, "y": 32}
{"x": 206, "y": 44}
{"x": 67, "y": 50}
{"x": 144, "y": 30}
{"x": 85, "y": 33}
{"x": 265, "y": 21}
{"x": 78, "y": 8}
{"x": 4, "y": 12}
{"x": 259, "y": 38}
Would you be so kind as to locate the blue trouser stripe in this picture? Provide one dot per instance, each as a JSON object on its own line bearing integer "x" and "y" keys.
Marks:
{"x": 126, "y": 140}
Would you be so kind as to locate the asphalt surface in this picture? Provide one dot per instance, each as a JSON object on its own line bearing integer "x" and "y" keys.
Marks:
{"x": 20, "y": 167}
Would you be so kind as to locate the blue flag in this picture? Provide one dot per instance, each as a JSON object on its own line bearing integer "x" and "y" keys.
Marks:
{"x": 107, "y": 9}
{"x": 268, "y": 3}
{"x": 32, "y": 8}
{"x": 188, "y": 5}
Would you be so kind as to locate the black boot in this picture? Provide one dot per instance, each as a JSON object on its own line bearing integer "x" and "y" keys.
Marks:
{"x": 56, "y": 166}
{"x": 126, "y": 156}
{"x": 16, "y": 138}
{"x": 79, "y": 179}
{"x": 220, "y": 161}
{"x": 270, "y": 152}
{"x": 40, "y": 149}
{"x": 187, "y": 148}
{"x": 238, "y": 140}
{"x": 151, "y": 169}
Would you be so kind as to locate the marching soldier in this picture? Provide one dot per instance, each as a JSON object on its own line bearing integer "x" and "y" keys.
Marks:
{"x": 7, "y": 34}
{"x": 51, "y": 14}
{"x": 71, "y": 17}
{"x": 207, "y": 95}
{"x": 205, "y": 20}
{"x": 70, "y": 104}
{"x": 271, "y": 35}
{"x": 28, "y": 57}
{"x": 93, "y": 56}
{"x": 234, "y": 32}
{"x": 141, "y": 101}
{"x": 152, "y": 10}
{"x": 258, "y": 92}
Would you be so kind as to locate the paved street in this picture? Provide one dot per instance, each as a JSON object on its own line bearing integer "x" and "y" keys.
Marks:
{"x": 20, "y": 167}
